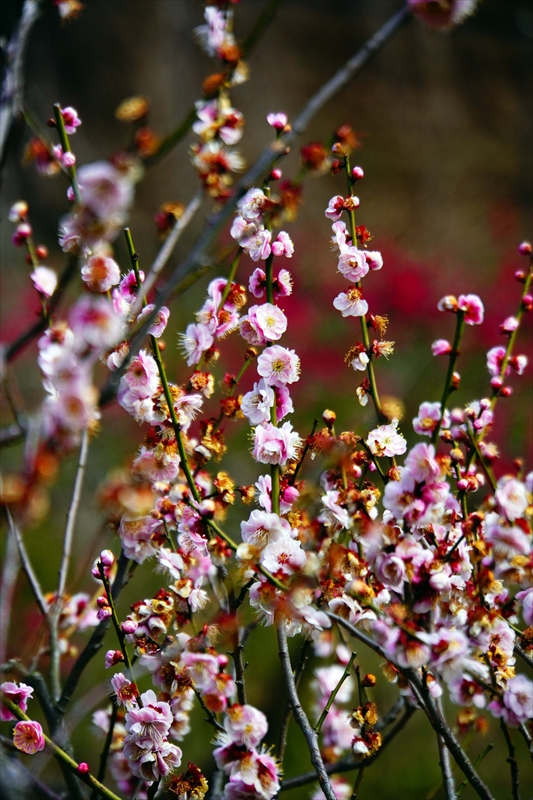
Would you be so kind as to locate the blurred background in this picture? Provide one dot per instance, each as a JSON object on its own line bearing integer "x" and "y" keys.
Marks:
{"x": 446, "y": 129}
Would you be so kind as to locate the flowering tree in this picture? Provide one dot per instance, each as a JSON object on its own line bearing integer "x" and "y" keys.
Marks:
{"x": 422, "y": 556}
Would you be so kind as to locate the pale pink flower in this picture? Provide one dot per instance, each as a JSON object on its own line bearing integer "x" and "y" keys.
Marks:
{"x": 517, "y": 704}
{"x": 28, "y": 737}
{"x": 283, "y": 245}
{"x": 100, "y": 273}
{"x": 352, "y": 264}
{"x": 399, "y": 497}
{"x": 160, "y": 320}
{"x": 275, "y": 445}
{"x": 251, "y": 206}
{"x": 94, "y": 321}
{"x": 151, "y": 762}
{"x": 194, "y": 342}
{"x": 340, "y": 236}
{"x": 213, "y": 157}
{"x": 128, "y": 286}
{"x": 142, "y": 375}
{"x": 288, "y": 496}
{"x": 341, "y": 788}
{"x": 153, "y": 720}
{"x": 519, "y": 363}
{"x": 257, "y": 282}
{"x": 507, "y": 542}
{"x": 421, "y": 463}
{"x": 112, "y": 658}
{"x": 136, "y": 537}
{"x": 241, "y": 228}
{"x": 212, "y": 35}
{"x": 245, "y": 725}
{"x": 495, "y": 358}
{"x": 125, "y": 691}
{"x": 157, "y": 465}
{"x": 386, "y": 441}
{"x": 283, "y": 284}
{"x": 18, "y": 693}
{"x": 374, "y": 259}
{"x": 264, "y": 323}
{"x": 45, "y": 280}
{"x": 473, "y": 308}
{"x": 512, "y": 498}
{"x": 262, "y": 528}
{"x": 278, "y": 120}
{"x": 333, "y": 515}
{"x": 278, "y": 365}
{"x": 509, "y": 325}
{"x": 187, "y": 407}
{"x": 284, "y": 555}
{"x": 335, "y": 208}
{"x": 351, "y": 303}
{"x": 71, "y": 119}
{"x": 441, "y": 347}
{"x": 104, "y": 189}
{"x": 442, "y": 16}
{"x": 526, "y": 599}
{"x": 18, "y": 211}
{"x": 212, "y": 120}
{"x": 256, "y": 405}
{"x": 428, "y": 418}
{"x": 257, "y": 244}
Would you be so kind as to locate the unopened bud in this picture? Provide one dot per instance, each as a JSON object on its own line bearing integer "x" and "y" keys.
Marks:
{"x": 102, "y": 602}
{"x": 329, "y": 417}
{"x": 83, "y": 768}
{"x": 457, "y": 455}
{"x": 525, "y": 249}
{"x": 527, "y": 302}
{"x": 506, "y": 391}
{"x": 520, "y": 276}
{"x": 18, "y": 211}
{"x": 128, "y": 627}
{"x": 275, "y": 174}
{"x": 496, "y": 383}
{"x": 250, "y": 354}
{"x": 446, "y": 436}
{"x": 41, "y": 251}
{"x": 456, "y": 380}
{"x": 357, "y": 174}
{"x": 107, "y": 558}
{"x": 337, "y": 149}
{"x": 462, "y": 484}
{"x": 369, "y": 680}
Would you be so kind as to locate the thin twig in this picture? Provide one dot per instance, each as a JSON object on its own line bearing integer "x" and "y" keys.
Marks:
{"x": 27, "y": 567}
{"x": 333, "y": 694}
{"x": 445, "y": 764}
{"x": 513, "y": 763}
{"x": 525, "y": 656}
{"x": 7, "y": 589}
{"x": 301, "y": 717}
{"x": 272, "y": 153}
{"x": 12, "y": 99}
{"x": 284, "y": 727}
{"x": 65, "y": 559}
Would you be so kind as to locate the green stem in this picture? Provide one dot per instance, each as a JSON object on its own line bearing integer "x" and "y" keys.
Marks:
{"x": 364, "y": 328}
{"x": 477, "y": 762}
{"x": 107, "y": 745}
{"x": 116, "y": 624}
{"x": 65, "y": 145}
{"x": 231, "y": 278}
{"x": 63, "y": 757}
{"x": 459, "y": 329}
{"x": 333, "y": 695}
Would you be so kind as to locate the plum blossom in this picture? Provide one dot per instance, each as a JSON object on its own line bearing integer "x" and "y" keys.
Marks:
{"x": 160, "y": 320}
{"x": 278, "y": 120}
{"x": 283, "y": 245}
{"x": 252, "y": 205}
{"x": 257, "y": 244}
{"x": 194, "y": 342}
{"x": 18, "y": 693}
{"x": 526, "y": 599}
{"x": 352, "y": 264}
{"x": 442, "y": 16}
{"x": 264, "y": 323}
{"x": 100, "y": 273}
{"x": 278, "y": 365}
{"x": 333, "y": 515}
{"x": 284, "y": 555}
{"x": 511, "y": 495}
{"x": 441, "y": 347}
{"x": 275, "y": 445}
{"x": 386, "y": 441}
{"x": 428, "y": 418}
{"x": 94, "y": 322}
{"x": 516, "y": 706}
{"x": 472, "y": 307}
{"x": 28, "y": 737}
{"x": 351, "y": 303}
{"x": 45, "y": 280}
{"x": 421, "y": 463}
{"x": 71, "y": 119}
{"x": 288, "y": 495}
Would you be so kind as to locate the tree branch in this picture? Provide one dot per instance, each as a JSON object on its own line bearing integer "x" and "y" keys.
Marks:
{"x": 301, "y": 717}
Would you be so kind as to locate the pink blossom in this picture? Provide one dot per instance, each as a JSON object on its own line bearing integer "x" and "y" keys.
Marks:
{"x": 245, "y": 725}
{"x": 112, "y": 658}
{"x": 136, "y": 537}
{"x": 129, "y": 287}
{"x": 473, "y": 308}
{"x": 257, "y": 282}
{"x": 351, "y": 303}
{"x": 264, "y": 323}
{"x": 333, "y": 515}
{"x": 275, "y": 445}
{"x": 495, "y": 358}
{"x": 212, "y": 35}
{"x": 257, "y": 244}
{"x": 125, "y": 691}
{"x": 142, "y": 375}
{"x": 100, "y": 273}
{"x": 442, "y": 16}
{"x": 428, "y": 418}
{"x": 353, "y": 264}
{"x": 374, "y": 259}
{"x": 153, "y": 720}
{"x": 386, "y": 441}
{"x": 390, "y": 570}
{"x": 278, "y": 121}
{"x": 518, "y": 363}
{"x": 507, "y": 541}
{"x": 278, "y": 365}
{"x": 252, "y": 205}
{"x": 187, "y": 407}
{"x": 284, "y": 555}
{"x": 28, "y": 737}
{"x": 194, "y": 342}
{"x": 93, "y": 321}
{"x": 71, "y": 119}
{"x": 256, "y": 405}
{"x": 158, "y": 464}
{"x": 517, "y": 704}
{"x": 262, "y": 528}
{"x": 288, "y": 496}
{"x": 148, "y": 761}
{"x": 335, "y": 208}
{"x": 326, "y": 680}
{"x": 340, "y": 236}
{"x": 45, "y": 280}
{"x": 104, "y": 189}
{"x": 509, "y": 325}
{"x": 525, "y": 597}
{"x": 21, "y": 235}
{"x": 441, "y": 347}
{"x": 512, "y": 498}
{"x": 421, "y": 463}
{"x": 283, "y": 245}
{"x": 160, "y": 320}
{"x": 18, "y": 211}
{"x": 18, "y": 693}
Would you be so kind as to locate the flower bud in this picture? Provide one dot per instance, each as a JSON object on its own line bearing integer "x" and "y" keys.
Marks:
{"x": 41, "y": 251}
{"x": 506, "y": 391}
{"x": 527, "y": 302}
{"x": 456, "y": 380}
{"x": 128, "y": 627}
{"x": 329, "y": 417}
{"x": 448, "y": 303}
{"x": 102, "y": 602}
{"x": 456, "y": 454}
{"x": 496, "y": 383}
{"x": 462, "y": 484}
{"x": 22, "y": 233}
{"x": 68, "y": 159}
{"x": 525, "y": 249}
{"x": 369, "y": 680}
{"x": 520, "y": 276}
{"x": 509, "y": 325}
{"x": 112, "y": 658}
{"x": 18, "y": 211}
{"x": 107, "y": 558}
{"x": 83, "y": 768}
{"x": 357, "y": 174}
{"x": 275, "y": 174}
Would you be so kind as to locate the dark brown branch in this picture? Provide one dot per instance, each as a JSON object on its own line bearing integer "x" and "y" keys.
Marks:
{"x": 301, "y": 717}
{"x": 284, "y": 727}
